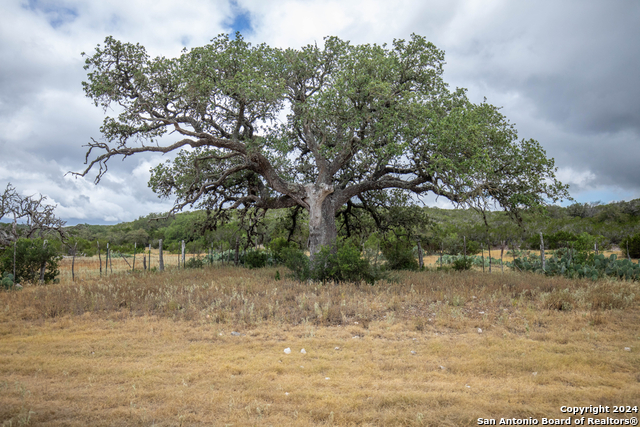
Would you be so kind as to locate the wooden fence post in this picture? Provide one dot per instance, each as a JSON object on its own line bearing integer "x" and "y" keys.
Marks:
{"x": 14, "y": 261}
{"x": 420, "y": 259}
{"x": 110, "y": 259}
{"x": 513, "y": 254}
{"x": 542, "y": 258}
{"x": 464, "y": 247}
{"x": 183, "y": 263}
{"x": 161, "y": 261}
{"x": 73, "y": 262}
{"x": 99, "y": 257}
{"x": 135, "y": 246}
{"x": 237, "y": 259}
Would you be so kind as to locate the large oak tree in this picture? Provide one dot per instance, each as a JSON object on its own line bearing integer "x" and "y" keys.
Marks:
{"x": 256, "y": 127}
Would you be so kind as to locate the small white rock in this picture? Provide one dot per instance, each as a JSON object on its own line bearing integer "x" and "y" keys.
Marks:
{"x": 287, "y": 350}
{"x": 479, "y": 330}
{"x": 326, "y": 378}
{"x": 413, "y": 352}
{"x": 355, "y": 337}
{"x": 337, "y": 348}
{"x": 481, "y": 312}
{"x": 442, "y": 367}
{"x": 468, "y": 386}
{"x": 627, "y": 349}
{"x": 303, "y": 351}
{"x": 286, "y": 394}
{"x": 355, "y": 323}
{"x": 534, "y": 373}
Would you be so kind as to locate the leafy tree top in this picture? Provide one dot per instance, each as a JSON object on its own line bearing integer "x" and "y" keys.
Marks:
{"x": 314, "y": 127}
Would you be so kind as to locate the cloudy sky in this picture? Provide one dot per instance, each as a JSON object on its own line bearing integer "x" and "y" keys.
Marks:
{"x": 567, "y": 73}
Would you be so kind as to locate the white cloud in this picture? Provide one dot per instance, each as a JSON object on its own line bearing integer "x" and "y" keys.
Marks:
{"x": 566, "y": 75}
{"x": 580, "y": 179}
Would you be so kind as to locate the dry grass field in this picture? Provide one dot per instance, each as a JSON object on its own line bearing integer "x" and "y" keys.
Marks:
{"x": 206, "y": 347}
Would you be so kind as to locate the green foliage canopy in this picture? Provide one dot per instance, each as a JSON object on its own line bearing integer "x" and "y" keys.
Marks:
{"x": 361, "y": 120}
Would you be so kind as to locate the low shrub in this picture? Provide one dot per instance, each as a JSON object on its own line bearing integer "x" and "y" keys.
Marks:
{"x": 462, "y": 264}
{"x": 7, "y": 281}
{"x": 342, "y": 264}
{"x": 277, "y": 248}
{"x": 345, "y": 264}
{"x": 196, "y": 262}
{"x": 399, "y": 255}
{"x": 634, "y": 246}
{"x": 31, "y": 255}
{"x": 256, "y": 259}
{"x": 296, "y": 261}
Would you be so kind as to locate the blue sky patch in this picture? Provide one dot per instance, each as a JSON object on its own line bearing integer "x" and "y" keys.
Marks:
{"x": 56, "y": 15}
{"x": 241, "y": 20}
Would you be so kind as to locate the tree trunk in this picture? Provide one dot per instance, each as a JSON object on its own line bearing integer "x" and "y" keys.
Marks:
{"x": 322, "y": 218}
{"x": 73, "y": 263}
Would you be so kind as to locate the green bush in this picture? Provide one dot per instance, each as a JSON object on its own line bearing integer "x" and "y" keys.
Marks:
{"x": 399, "y": 255}
{"x": 195, "y": 262}
{"x": 634, "y": 246}
{"x": 462, "y": 264}
{"x": 296, "y": 261}
{"x": 277, "y": 247}
{"x": 456, "y": 246}
{"x": 345, "y": 264}
{"x": 256, "y": 259}
{"x": 7, "y": 281}
{"x": 583, "y": 242}
{"x": 31, "y": 256}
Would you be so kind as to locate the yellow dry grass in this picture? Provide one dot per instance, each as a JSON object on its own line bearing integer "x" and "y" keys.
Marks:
{"x": 158, "y": 349}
